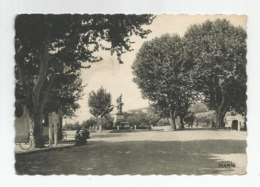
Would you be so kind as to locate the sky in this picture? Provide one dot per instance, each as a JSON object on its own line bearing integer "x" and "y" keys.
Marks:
{"x": 117, "y": 78}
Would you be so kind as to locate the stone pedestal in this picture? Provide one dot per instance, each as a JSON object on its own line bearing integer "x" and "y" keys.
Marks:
{"x": 118, "y": 117}
{"x": 53, "y": 130}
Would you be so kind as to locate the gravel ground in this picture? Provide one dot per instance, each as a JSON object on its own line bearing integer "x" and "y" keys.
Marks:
{"x": 145, "y": 152}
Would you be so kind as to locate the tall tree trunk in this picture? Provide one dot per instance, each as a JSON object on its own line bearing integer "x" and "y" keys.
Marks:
{"x": 182, "y": 123}
{"x": 38, "y": 103}
{"x": 60, "y": 125}
{"x": 38, "y": 130}
{"x": 100, "y": 125}
{"x": 172, "y": 120}
{"x": 220, "y": 118}
{"x": 220, "y": 113}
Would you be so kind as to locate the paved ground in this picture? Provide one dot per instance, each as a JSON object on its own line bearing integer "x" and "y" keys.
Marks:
{"x": 146, "y": 153}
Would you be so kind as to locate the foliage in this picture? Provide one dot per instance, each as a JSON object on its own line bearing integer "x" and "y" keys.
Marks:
{"x": 72, "y": 126}
{"x": 205, "y": 117}
{"x": 163, "y": 122}
{"x": 216, "y": 56}
{"x": 152, "y": 117}
{"x": 198, "y": 108}
{"x": 100, "y": 103}
{"x": 189, "y": 119}
{"x": 119, "y": 121}
{"x": 133, "y": 120}
{"x": 108, "y": 121}
{"x": 159, "y": 73}
{"x": 100, "y": 106}
{"x": 126, "y": 115}
{"x": 90, "y": 123}
{"x": 144, "y": 119}
{"x": 52, "y": 46}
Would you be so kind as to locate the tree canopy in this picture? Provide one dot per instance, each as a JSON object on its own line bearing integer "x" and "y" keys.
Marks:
{"x": 198, "y": 108}
{"x": 216, "y": 54}
{"x": 208, "y": 64}
{"x": 52, "y": 46}
{"x": 159, "y": 73}
{"x": 91, "y": 122}
{"x": 143, "y": 118}
{"x": 100, "y": 103}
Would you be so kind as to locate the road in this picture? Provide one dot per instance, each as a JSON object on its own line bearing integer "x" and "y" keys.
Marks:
{"x": 146, "y": 153}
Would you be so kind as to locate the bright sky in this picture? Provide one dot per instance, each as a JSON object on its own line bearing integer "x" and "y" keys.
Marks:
{"x": 117, "y": 78}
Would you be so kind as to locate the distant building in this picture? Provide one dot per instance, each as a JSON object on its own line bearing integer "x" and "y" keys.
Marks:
{"x": 137, "y": 111}
{"x": 234, "y": 121}
{"x": 231, "y": 120}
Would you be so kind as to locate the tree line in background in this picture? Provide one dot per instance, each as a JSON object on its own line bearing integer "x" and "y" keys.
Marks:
{"x": 140, "y": 120}
{"x": 144, "y": 120}
{"x": 100, "y": 106}
{"x": 207, "y": 64}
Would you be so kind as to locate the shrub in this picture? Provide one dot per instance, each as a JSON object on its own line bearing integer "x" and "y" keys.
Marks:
{"x": 67, "y": 126}
{"x": 143, "y": 127}
{"x": 133, "y": 120}
{"x": 164, "y": 122}
{"x": 107, "y": 122}
{"x": 77, "y": 126}
{"x": 72, "y": 126}
{"x": 152, "y": 119}
{"x": 189, "y": 119}
{"x": 118, "y": 122}
{"x": 198, "y": 108}
{"x": 205, "y": 118}
{"x": 89, "y": 123}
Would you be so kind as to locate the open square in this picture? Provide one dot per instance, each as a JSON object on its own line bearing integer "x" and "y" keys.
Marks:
{"x": 147, "y": 152}
{"x": 158, "y": 94}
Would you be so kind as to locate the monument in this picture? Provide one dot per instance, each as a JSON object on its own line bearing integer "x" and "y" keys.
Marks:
{"x": 119, "y": 115}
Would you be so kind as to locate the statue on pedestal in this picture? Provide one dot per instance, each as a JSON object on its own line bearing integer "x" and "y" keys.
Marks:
{"x": 119, "y": 115}
{"x": 119, "y": 105}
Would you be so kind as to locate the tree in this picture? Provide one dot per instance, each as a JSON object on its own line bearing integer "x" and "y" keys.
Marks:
{"x": 151, "y": 117}
{"x": 216, "y": 55}
{"x": 133, "y": 120}
{"x": 100, "y": 104}
{"x": 205, "y": 117}
{"x": 160, "y": 75}
{"x": 49, "y": 46}
{"x": 66, "y": 90}
{"x": 198, "y": 108}
{"x": 72, "y": 126}
{"x": 184, "y": 104}
{"x": 163, "y": 122}
{"x": 143, "y": 119}
{"x": 108, "y": 121}
{"x": 91, "y": 122}
{"x": 189, "y": 119}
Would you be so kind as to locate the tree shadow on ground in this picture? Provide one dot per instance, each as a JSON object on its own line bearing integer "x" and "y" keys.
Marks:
{"x": 199, "y": 128}
{"x": 135, "y": 157}
{"x": 69, "y": 142}
{"x": 106, "y": 135}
